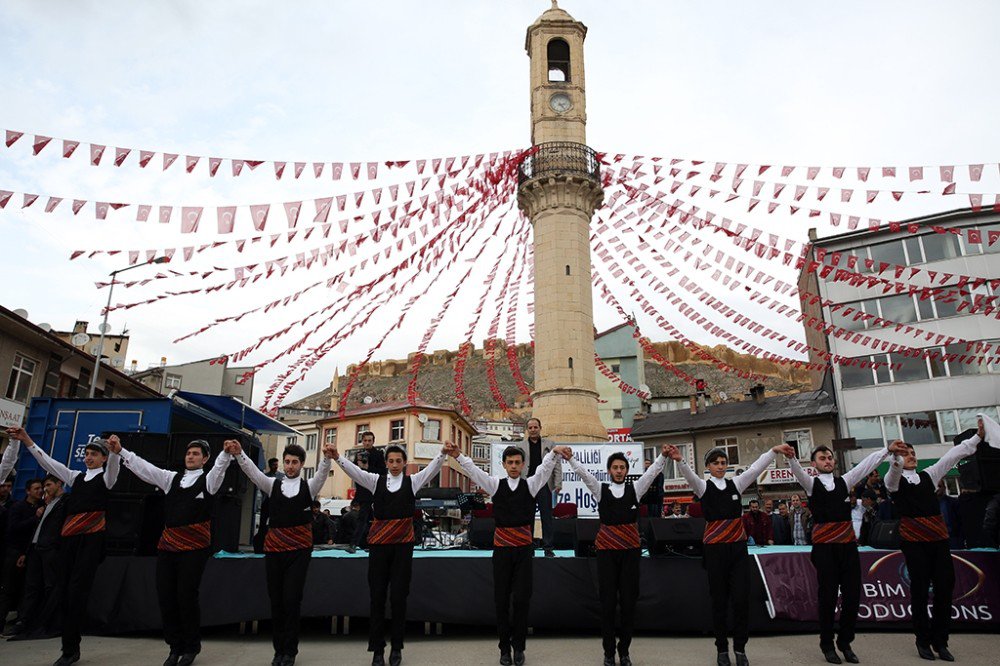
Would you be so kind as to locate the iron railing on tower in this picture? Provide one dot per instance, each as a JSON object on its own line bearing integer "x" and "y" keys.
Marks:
{"x": 559, "y": 157}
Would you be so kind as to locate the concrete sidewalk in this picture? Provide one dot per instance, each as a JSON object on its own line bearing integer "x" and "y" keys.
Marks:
{"x": 872, "y": 648}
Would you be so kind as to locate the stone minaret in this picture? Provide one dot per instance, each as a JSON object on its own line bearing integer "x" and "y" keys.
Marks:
{"x": 559, "y": 189}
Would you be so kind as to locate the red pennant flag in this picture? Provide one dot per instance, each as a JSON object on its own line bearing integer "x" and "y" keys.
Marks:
{"x": 78, "y": 204}
{"x": 120, "y": 155}
{"x": 838, "y": 172}
{"x": 292, "y": 209}
{"x": 863, "y": 174}
{"x": 190, "y": 162}
{"x": 190, "y": 217}
{"x": 337, "y": 169}
{"x": 144, "y": 157}
{"x": 69, "y": 147}
{"x": 947, "y": 173}
{"x": 96, "y": 152}
{"x": 213, "y": 165}
{"x": 787, "y": 171}
{"x": 237, "y": 167}
{"x": 226, "y": 219}
{"x": 322, "y": 209}
{"x": 12, "y": 137}
{"x": 355, "y": 170}
{"x": 870, "y": 195}
{"x": 258, "y": 215}
{"x": 168, "y": 159}
{"x": 812, "y": 172}
{"x": 916, "y": 173}
{"x": 142, "y": 213}
{"x": 40, "y": 143}
{"x": 949, "y": 189}
{"x": 52, "y": 203}
{"x": 28, "y": 200}
{"x": 888, "y": 172}
{"x": 165, "y": 213}
{"x": 975, "y": 171}
{"x": 821, "y": 193}
{"x": 279, "y": 169}
{"x": 845, "y": 195}
{"x": 992, "y": 236}
{"x": 974, "y": 236}
{"x": 101, "y": 210}
{"x": 372, "y": 170}
{"x": 800, "y": 191}
{"x": 299, "y": 167}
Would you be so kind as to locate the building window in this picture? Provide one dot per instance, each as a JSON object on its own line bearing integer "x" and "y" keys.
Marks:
{"x": 361, "y": 430}
{"x": 854, "y": 376}
{"x": 890, "y": 253}
{"x": 907, "y": 368}
{"x": 172, "y": 382}
{"x": 330, "y": 435}
{"x": 616, "y": 414}
{"x": 311, "y": 441}
{"x": 557, "y": 52}
{"x": 731, "y": 447}
{"x": 291, "y": 439}
{"x": 308, "y": 473}
{"x": 432, "y": 430}
{"x": 21, "y": 372}
{"x": 616, "y": 368}
{"x": 899, "y": 309}
{"x": 940, "y": 246}
{"x": 867, "y": 431}
{"x": 480, "y": 451}
{"x": 801, "y": 441}
{"x": 920, "y": 428}
{"x": 109, "y": 389}
{"x": 83, "y": 387}
{"x": 397, "y": 431}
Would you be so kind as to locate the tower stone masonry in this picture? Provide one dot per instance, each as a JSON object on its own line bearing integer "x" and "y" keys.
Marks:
{"x": 559, "y": 190}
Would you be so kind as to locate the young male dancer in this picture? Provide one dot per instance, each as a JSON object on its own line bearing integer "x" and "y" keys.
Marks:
{"x": 288, "y": 544}
{"x": 82, "y": 533}
{"x": 618, "y": 545}
{"x": 185, "y": 544}
{"x": 924, "y": 539}
{"x": 834, "y": 546}
{"x": 724, "y": 553}
{"x": 513, "y": 544}
{"x": 390, "y": 541}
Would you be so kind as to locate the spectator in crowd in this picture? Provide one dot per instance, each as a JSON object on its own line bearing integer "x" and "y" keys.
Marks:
{"x": 883, "y": 506}
{"x": 320, "y": 526}
{"x": 653, "y": 498}
{"x": 769, "y": 507}
{"x": 800, "y": 520}
{"x": 22, "y": 519}
{"x": 348, "y": 523}
{"x": 780, "y": 528}
{"x": 272, "y": 469}
{"x": 677, "y": 511}
{"x": 757, "y": 525}
{"x": 371, "y": 460}
{"x": 951, "y": 515}
{"x": 857, "y": 513}
{"x": 869, "y": 511}
{"x": 872, "y": 482}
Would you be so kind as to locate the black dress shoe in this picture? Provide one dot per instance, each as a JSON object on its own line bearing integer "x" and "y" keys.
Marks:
{"x": 395, "y": 657}
{"x": 277, "y": 659}
{"x": 288, "y": 660}
{"x": 723, "y": 659}
{"x": 505, "y": 659}
{"x": 188, "y": 659}
{"x": 67, "y": 659}
{"x": 172, "y": 658}
{"x": 944, "y": 654}
{"x": 925, "y": 652}
{"x": 518, "y": 657}
{"x": 849, "y": 655}
{"x": 832, "y": 657}
{"x": 609, "y": 661}
{"x": 378, "y": 658}
{"x": 625, "y": 660}
{"x": 741, "y": 659}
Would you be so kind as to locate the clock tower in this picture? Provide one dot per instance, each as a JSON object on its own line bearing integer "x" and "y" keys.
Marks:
{"x": 559, "y": 188}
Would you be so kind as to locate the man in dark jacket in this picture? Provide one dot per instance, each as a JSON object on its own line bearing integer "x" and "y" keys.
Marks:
{"x": 780, "y": 527}
{"x": 535, "y": 448}
{"x": 757, "y": 525}
{"x": 371, "y": 460}
{"x": 22, "y": 518}
{"x": 347, "y": 524}
{"x": 322, "y": 534}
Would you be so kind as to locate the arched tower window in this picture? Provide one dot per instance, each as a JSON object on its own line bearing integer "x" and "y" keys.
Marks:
{"x": 558, "y": 56}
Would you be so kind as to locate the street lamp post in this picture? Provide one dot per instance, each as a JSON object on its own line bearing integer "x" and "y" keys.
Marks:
{"x": 104, "y": 324}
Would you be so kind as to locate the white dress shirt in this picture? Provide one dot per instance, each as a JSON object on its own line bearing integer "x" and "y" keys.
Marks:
{"x": 66, "y": 475}
{"x": 163, "y": 478}
{"x": 393, "y": 483}
{"x": 492, "y": 483}
{"x": 741, "y": 481}
{"x": 641, "y": 484}
{"x": 936, "y": 471}
{"x": 9, "y": 459}
{"x": 289, "y": 486}
{"x": 851, "y": 477}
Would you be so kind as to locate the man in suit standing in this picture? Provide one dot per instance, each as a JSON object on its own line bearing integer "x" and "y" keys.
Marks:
{"x": 363, "y": 496}
{"x": 780, "y": 526}
{"x": 535, "y": 448}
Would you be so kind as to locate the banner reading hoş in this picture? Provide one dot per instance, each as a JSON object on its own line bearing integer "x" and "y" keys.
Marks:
{"x": 594, "y": 457}
{"x": 790, "y": 583}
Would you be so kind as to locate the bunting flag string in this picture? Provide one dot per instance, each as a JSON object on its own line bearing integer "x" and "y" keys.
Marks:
{"x": 510, "y": 334}
{"x": 618, "y": 381}
{"x": 338, "y": 170}
{"x": 501, "y": 306}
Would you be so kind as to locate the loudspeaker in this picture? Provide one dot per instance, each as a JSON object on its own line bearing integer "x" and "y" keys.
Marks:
{"x": 980, "y": 472}
{"x": 481, "y": 533}
{"x": 134, "y": 524}
{"x": 675, "y": 536}
{"x": 586, "y": 534}
{"x": 884, "y": 535}
{"x": 564, "y": 533}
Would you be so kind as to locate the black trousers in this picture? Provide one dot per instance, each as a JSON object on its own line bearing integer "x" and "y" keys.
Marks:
{"x": 728, "y": 568}
{"x": 389, "y": 569}
{"x": 11, "y": 583}
{"x": 618, "y": 580}
{"x": 286, "y": 579}
{"x": 929, "y": 563}
{"x": 364, "y": 522}
{"x": 178, "y": 581}
{"x": 838, "y": 568}
{"x": 79, "y": 558}
{"x": 42, "y": 593}
{"x": 512, "y": 594}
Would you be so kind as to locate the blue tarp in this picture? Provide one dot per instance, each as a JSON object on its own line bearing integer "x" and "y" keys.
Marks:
{"x": 234, "y": 411}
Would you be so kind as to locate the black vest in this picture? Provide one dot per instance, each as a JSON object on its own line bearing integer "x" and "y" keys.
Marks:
{"x": 87, "y": 496}
{"x": 51, "y": 529}
{"x": 400, "y": 504}
{"x": 916, "y": 500}
{"x": 830, "y": 506}
{"x": 513, "y": 508}
{"x": 291, "y": 511}
{"x": 722, "y": 504}
{"x": 182, "y": 506}
{"x": 618, "y": 511}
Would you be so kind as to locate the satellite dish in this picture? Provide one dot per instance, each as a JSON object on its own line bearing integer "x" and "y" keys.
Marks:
{"x": 368, "y": 400}
{"x": 21, "y": 312}
{"x": 45, "y": 327}
{"x": 104, "y": 328}
{"x": 723, "y": 396}
{"x": 422, "y": 418}
{"x": 80, "y": 339}
{"x": 117, "y": 362}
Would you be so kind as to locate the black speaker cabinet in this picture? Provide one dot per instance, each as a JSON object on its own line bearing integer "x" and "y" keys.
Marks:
{"x": 675, "y": 536}
{"x": 884, "y": 535}
{"x": 586, "y": 534}
{"x": 564, "y": 533}
{"x": 481, "y": 533}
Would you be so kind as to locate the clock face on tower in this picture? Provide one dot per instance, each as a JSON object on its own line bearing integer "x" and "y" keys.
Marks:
{"x": 560, "y": 103}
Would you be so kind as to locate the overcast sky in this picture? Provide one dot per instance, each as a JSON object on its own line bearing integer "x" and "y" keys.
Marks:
{"x": 845, "y": 83}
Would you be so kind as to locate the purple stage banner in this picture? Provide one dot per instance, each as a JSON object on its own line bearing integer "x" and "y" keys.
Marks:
{"x": 790, "y": 583}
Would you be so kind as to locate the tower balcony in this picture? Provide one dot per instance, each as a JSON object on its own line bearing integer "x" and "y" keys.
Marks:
{"x": 560, "y": 158}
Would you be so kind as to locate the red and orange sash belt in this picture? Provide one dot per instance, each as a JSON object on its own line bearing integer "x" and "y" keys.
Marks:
{"x": 836, "y": 532}
{"x": 391, "y": 531}
{"x": 513, "y": 537}
{"x": 285, "y": 539}
{"x": 923, "y": 528}
{"x": 186, "y": 537}
{"x": 90, "y": 522}
{"x": 728, "y": 530}
{"x": 617, "y": 537}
